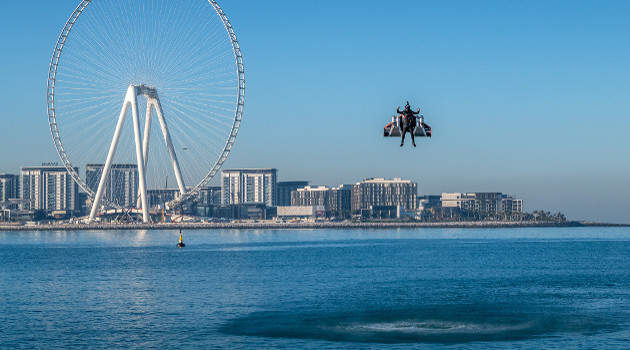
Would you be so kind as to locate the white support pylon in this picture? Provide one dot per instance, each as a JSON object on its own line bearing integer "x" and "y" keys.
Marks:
{"x": 140, "y": 155}
{"x": 145, "y": 143}
{"x": 110, "y": 156}
{"x": 142, "y": 148}
{"x": 154, "y": 102}
{"x": 169, "y": 144}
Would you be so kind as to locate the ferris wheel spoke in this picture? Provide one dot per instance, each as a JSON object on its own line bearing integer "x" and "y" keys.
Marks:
{"x": 208, "y": 127}
{"x": 209, "y": 116}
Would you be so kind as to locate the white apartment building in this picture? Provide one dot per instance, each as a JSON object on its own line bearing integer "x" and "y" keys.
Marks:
{"x": 244, "y": 186}
{"x": 488, "y": 202}
{"x": 49, "y": 188}
{"x": 311, "y": 195}
{"x": 383, "y": 192}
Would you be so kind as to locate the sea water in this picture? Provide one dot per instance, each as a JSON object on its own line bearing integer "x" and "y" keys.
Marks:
{"x": 405, "y": 288}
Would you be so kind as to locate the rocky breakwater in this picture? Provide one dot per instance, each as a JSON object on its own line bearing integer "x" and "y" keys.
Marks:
{"x": 294, "y": 225}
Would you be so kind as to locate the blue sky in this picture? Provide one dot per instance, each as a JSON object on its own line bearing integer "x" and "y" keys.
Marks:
{"x": 524, "y": 97}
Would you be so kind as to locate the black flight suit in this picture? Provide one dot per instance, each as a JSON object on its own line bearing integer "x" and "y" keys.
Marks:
{"x": 408, "y": 123}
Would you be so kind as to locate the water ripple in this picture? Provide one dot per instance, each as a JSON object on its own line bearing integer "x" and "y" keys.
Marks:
{"x": 446, "y": 324}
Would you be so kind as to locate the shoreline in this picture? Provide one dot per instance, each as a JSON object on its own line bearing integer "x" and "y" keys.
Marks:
{"x": 305, "y": 225}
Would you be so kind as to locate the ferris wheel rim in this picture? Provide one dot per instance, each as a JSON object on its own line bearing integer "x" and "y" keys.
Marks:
{"x": 52, "y": 117}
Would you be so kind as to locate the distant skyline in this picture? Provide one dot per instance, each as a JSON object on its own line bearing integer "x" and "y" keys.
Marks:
{"x": 525, "y": 98}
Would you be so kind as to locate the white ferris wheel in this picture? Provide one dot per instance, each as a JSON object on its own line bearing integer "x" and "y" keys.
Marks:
{"x": 156, "y": 86}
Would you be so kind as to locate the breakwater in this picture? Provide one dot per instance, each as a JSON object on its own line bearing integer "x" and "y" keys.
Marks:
{"x": 298, "y": 225}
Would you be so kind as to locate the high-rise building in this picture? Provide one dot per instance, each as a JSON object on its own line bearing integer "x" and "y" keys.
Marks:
{"x": 382, "y": 192}
{"x": 244, "y": 186}
{"x": 121, "y": 185}
{"x": 284, "y": 191}
{"x": 49, "y": 188}
{"x": 9, "y": 189}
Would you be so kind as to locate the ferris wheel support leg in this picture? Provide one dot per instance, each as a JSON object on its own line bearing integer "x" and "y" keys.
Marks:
{"x": 110, "y": 157}
{"x": 145, "y": 142}
{"x": 139, "y": 155}
{"x": 169, "y": 146}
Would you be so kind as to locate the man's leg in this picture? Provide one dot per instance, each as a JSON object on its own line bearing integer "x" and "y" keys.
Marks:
{"x": 413, "y": 140}
{"x": 403, "y": 131}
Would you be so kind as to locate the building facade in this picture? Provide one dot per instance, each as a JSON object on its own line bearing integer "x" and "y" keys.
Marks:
{"x": 210, "y": 195}
{"x": 9, "y": 189}
{"x": 336, "y": 201}
{"x": 208, "y": 198}
{"x": 248, "y": 186}
{"x": 121, "y": 185}
{"x": 341, "y": 201}
{"x": 457, "y": 200}
{"x": 300, "y": 212}
{"x": 484, "y": 204}
{"x": 158, "y": 198}
{"x": 284, "y": 191}
{"x": 428, "y": 202}
{"x": 512, "y": 207}
{"x": 257, "y": 211}
{"x": 311, "y": 196}
{"x": 49, "y": 188}
{"x": 383, "y": 192}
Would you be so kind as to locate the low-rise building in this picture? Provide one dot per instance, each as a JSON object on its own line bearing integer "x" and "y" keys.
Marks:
{"x": 385, "y": 212}
{"x": 300, "y": 212}
{"x": 340, "y": 202}
{"x": 311, "y": 196}
{"x": 336, "y": 201}
{"x": 482, "y": 204}
{"x": 512, "y": 207}
{"x": 284, "y": 191}
{"x": 383, "y": 192}
{"x": 257, "y": 211}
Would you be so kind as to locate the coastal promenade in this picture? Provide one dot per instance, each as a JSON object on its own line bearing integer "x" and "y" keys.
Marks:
{"x": 298, "y": 225}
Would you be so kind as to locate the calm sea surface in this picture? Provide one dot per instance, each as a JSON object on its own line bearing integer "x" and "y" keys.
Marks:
{"x": 408, "y": 288}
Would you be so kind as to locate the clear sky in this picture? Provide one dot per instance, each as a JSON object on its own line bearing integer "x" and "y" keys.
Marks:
{"x": 529, "y": 98}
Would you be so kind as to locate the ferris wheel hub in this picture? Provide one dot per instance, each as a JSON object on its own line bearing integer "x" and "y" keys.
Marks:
{"x": 142, "y": 89}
